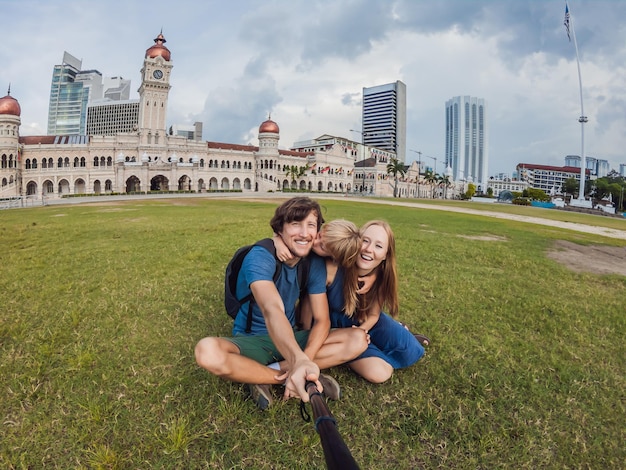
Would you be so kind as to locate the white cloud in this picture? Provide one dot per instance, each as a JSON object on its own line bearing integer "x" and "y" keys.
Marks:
{"x": 306, "y": 62}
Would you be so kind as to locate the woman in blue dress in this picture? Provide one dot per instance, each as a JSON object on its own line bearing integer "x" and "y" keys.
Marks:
{"x": 367, "y": 256}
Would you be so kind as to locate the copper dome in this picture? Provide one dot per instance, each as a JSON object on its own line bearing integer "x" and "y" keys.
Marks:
{"x": 158, "y": 49}
{"x": 9, "y": 105}
{"x": 269, "y": 126}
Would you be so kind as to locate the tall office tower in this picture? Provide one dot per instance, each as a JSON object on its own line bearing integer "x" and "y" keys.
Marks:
{"x": 69, "y": 95}
{"x": 384, "y": 117}
{"x": 466, "y": 140}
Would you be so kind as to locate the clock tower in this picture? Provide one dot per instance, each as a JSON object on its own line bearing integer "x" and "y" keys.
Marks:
{"x": 153, "y": 92}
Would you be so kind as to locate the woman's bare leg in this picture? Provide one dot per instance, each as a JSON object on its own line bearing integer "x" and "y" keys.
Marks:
{"x": 373, "y": 369}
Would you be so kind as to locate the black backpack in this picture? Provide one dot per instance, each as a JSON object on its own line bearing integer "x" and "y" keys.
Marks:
{"x": 231, "y": 302}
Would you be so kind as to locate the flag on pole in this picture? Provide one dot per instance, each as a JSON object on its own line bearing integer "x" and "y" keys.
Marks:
{"x": 566, "y": 21}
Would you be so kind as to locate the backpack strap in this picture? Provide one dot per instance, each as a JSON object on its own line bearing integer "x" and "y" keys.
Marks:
{"x": 303, "y": 277}
{"x": 302, "y": 272}
{"x": 268, "y": 244}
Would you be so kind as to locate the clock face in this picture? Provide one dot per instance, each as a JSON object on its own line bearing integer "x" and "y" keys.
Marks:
{"x": 158, "y": 74}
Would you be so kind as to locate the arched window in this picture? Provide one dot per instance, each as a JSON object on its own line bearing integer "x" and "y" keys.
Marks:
{"x": 64, "y": 187}
{"x": 31, "y": 188}
{"x": 48, "y": 187}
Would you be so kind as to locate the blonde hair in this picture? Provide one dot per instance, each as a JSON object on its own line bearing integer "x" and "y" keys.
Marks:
{"x": 342, "y": 241}
{"x": 385, "y": 288}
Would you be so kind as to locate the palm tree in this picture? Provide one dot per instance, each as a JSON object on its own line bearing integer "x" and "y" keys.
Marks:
{"x": 431, "y": 179}
{"x": 295, "y": 172}
{"x": 444, "y": 182}
{"x": 394, "y": 168}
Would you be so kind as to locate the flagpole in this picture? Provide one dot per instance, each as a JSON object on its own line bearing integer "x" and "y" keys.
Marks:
{"x": 569, "y": 26}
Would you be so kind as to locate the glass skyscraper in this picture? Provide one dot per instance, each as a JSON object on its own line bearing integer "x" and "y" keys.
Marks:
{"x": 384, "y": 117}
{"x": 69, "y": 95}
{"x": 466, "y": 140}
{"x": 73, "y": 91}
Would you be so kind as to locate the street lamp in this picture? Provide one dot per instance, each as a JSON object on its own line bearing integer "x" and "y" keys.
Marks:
{"x": 363, "y": 134}
{"x": 419, "y": 157}
{"x": 434, "y": 158}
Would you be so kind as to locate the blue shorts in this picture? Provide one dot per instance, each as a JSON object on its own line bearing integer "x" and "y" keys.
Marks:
{"x": 389, "y": 341}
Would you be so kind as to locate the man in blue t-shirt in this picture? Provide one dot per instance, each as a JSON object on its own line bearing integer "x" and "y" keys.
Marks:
{"x": 274, "y": 352}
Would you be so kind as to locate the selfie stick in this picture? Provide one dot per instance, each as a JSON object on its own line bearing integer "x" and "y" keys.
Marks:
{"x": 336, "y": 451}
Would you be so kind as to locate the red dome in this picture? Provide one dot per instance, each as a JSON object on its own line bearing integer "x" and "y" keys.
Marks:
{"x": 269, "y": 126}
{"x": 159, "y": 49}
{"x": 9, "y": 105}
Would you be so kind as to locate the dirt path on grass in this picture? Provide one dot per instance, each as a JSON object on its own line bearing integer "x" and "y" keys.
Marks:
{"x": 603, "y": 231}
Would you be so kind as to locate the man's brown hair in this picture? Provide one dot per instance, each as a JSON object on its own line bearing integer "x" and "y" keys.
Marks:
{"x": 296, "y": 209}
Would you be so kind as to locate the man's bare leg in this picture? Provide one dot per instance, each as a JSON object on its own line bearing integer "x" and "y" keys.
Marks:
{"x": 222, "y": 358}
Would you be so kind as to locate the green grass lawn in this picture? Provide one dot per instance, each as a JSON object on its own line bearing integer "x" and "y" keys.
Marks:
{"x": 101, "y": 307}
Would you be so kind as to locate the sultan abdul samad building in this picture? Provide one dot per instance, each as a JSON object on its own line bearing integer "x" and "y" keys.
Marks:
{"x": 53, "y": 166}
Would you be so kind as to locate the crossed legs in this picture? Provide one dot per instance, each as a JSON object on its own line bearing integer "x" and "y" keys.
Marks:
{"x": 223, "y": 358}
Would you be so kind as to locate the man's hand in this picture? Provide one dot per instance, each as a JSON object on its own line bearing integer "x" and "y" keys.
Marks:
{"x": 303, "y": 371}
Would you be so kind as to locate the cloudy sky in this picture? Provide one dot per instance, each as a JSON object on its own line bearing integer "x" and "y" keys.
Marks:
{"x": 306, "y": 62}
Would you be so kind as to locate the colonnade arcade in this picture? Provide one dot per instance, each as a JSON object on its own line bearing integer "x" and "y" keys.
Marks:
{"x": 310, "y": 186}
{"x": 63, "y": 186}
{"x": 134, "y": 184}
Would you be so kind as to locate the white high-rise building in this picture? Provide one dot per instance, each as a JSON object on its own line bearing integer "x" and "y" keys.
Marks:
{"x": 384, "y": 117}
{"x": 467, "y": 140}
